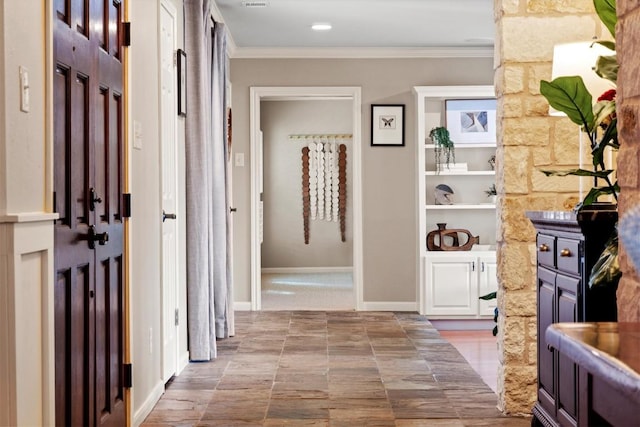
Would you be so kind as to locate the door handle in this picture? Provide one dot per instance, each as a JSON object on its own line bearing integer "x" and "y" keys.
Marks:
{"x": 93, "y": 237}
{"x": 93, "y": 199}
{"x": 167, "y": 216}
{"x": 232, "y": 210}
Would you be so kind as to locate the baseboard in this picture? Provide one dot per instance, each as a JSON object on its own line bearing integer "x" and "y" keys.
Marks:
{"x": 183, "y": 362}
{"x": 463, "y": 325}
{"x": 389, "y": 306}
{"x": 366, "y": 306}
{"x": 307, "y": 270}
{"x": 242, "y": 306}
{"x": 151, "y": 400}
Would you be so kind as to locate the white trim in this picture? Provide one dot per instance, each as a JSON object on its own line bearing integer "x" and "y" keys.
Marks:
{"x": 390, "y": 306}
{"x": 183, "y": 361}
{"x": 28, "y": 217}
{"x": 149, "y": 403}
{"x": 348, "y": 92}
{"x": 306, "y": 270}
{"x": 462, "y": 325}
{"x": 361, "y": 52}
{"x": 242, "y": 306}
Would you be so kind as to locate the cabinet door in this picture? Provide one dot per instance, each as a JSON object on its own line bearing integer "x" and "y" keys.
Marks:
{"x": 451, "y": 285}
{"x": 546, "y": 359}
{"x": 488, "y": 283}
{"x": 566, "y": 289}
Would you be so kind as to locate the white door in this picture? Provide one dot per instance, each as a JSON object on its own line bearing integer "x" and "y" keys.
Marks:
{"x": 169, "y": 178}
{"x": 451, "y": 285}
{"x": 488, "y": 283}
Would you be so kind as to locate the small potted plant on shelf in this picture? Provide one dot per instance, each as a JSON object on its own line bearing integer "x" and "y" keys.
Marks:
{"x": 443, "y": 147}
{"x": 492, "y": 193}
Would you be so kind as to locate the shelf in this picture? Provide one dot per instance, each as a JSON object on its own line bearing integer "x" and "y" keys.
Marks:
{"x": 461, "y": 206}
{"x": 485, "y": 145}
{"x": 461, "y": 173}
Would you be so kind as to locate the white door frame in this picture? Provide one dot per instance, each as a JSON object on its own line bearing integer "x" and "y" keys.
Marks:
{"x": 258, "y": 94}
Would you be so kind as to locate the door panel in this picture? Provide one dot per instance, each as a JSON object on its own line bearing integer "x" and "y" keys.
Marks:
{"x": 452, "y": 286}
{"x": 88, "y": 154}
{"x": 168, "y": 171}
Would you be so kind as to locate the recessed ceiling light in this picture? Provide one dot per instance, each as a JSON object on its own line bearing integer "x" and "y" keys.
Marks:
{"x": 321, "y": 26}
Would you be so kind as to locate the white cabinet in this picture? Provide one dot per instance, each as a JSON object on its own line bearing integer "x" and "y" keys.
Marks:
{"x": 450, "y": 282}
{"x": 455, "y": 280}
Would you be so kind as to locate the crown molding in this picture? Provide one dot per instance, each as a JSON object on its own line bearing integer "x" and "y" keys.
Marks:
{"x": 359, "y": 52}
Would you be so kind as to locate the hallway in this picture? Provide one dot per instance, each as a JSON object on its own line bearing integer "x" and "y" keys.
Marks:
{"x": 331, "y": 369}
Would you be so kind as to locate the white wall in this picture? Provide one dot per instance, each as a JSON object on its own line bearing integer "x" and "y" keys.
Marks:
{"x": 26, "y": 229}
{"x": 283, "y": 244}
{"x": 388, "y": 173}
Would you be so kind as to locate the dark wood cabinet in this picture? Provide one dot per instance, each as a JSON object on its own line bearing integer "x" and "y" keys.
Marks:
{"x": 568, "y": 245}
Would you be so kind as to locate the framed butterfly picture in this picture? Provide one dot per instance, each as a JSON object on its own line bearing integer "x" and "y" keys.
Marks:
{"x": 387, "y": 125}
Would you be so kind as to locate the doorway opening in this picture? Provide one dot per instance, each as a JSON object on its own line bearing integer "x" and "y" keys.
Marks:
{"x": 287, "y": 273}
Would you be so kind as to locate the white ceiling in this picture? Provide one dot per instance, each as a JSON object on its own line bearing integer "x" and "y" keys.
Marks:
{"x": 410, "y": 25}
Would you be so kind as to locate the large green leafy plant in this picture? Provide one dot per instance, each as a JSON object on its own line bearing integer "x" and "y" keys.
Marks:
{"x": 598, "y": 120}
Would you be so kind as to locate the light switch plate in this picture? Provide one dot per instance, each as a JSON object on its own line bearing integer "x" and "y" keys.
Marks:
{"x": 24, "y": 90}
{"x": 240, "y": 159}
{"x": 137, "y": 135}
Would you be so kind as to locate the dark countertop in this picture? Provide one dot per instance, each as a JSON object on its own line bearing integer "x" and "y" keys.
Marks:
{"x": 608, "y": 350}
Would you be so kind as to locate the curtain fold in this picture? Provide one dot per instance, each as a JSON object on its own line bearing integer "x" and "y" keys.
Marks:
{"x": 208, "y": 283}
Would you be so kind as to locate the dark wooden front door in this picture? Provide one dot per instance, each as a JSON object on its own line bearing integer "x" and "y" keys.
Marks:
{"x": 88, "y": 183}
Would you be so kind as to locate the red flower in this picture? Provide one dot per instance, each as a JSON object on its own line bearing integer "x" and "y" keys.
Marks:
{"x": 609, "y": 95}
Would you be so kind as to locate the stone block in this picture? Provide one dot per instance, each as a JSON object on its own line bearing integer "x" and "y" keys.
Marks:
{"x": 566, "y": 142}
{"x": 514, "y": 340}
{"x": 541, "y": 156}
{"x": 515, "y": 174}
{"x": 511, "y": 106}
{"x": 507, "y": 7}
{"x": 628, "y": 166}
{"x": 629, "y": 293}
{"x": 628, "y": 118}
{"x": 532, "y": 353}
{"x": 532, "y": 330}
{"x": 514, "y": 262}
{"x": 627, "y": 6}
{"x": 537, "y": 73}
{"x": 554, "y": 184}
{"x": 513, "y": 79}
{"x": 629, "y": 37}
{"x": 560, "y": 6}
{"x": 521, "y": 303}
{"x": 520, "y": 385}
{"x": 526, "y": 131}
{"x": 542, "y": 33}
{"x": 536, "y": 106}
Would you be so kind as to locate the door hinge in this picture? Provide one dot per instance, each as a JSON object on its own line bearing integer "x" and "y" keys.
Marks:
{"x": 177, "y": 317}
{"x": 126, "y": 205}
{"x": 126, "y": 34}
{"x": 128, "y": 375}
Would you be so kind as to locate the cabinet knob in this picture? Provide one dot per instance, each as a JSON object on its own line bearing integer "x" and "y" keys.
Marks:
{"x": 565, "y": 252}
{"x": 543, "y": 248}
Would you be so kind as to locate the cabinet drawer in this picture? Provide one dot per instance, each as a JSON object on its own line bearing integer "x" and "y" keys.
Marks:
{"x": 568, "y": 255}
{"x": 546, "y": 250}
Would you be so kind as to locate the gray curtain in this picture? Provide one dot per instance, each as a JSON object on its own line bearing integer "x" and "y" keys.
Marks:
{"x": 208, "y": 284}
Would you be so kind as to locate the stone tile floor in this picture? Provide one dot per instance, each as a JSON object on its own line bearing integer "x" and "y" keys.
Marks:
{"x": 336, "y": 368}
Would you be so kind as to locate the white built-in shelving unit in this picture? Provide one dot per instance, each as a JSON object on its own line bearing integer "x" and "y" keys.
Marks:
{"x": 450, "y": 282}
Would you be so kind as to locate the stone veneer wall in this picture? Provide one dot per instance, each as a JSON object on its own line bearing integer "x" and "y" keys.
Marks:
{"x": 529, "y": 139}
{"x": 628, "y": 103}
